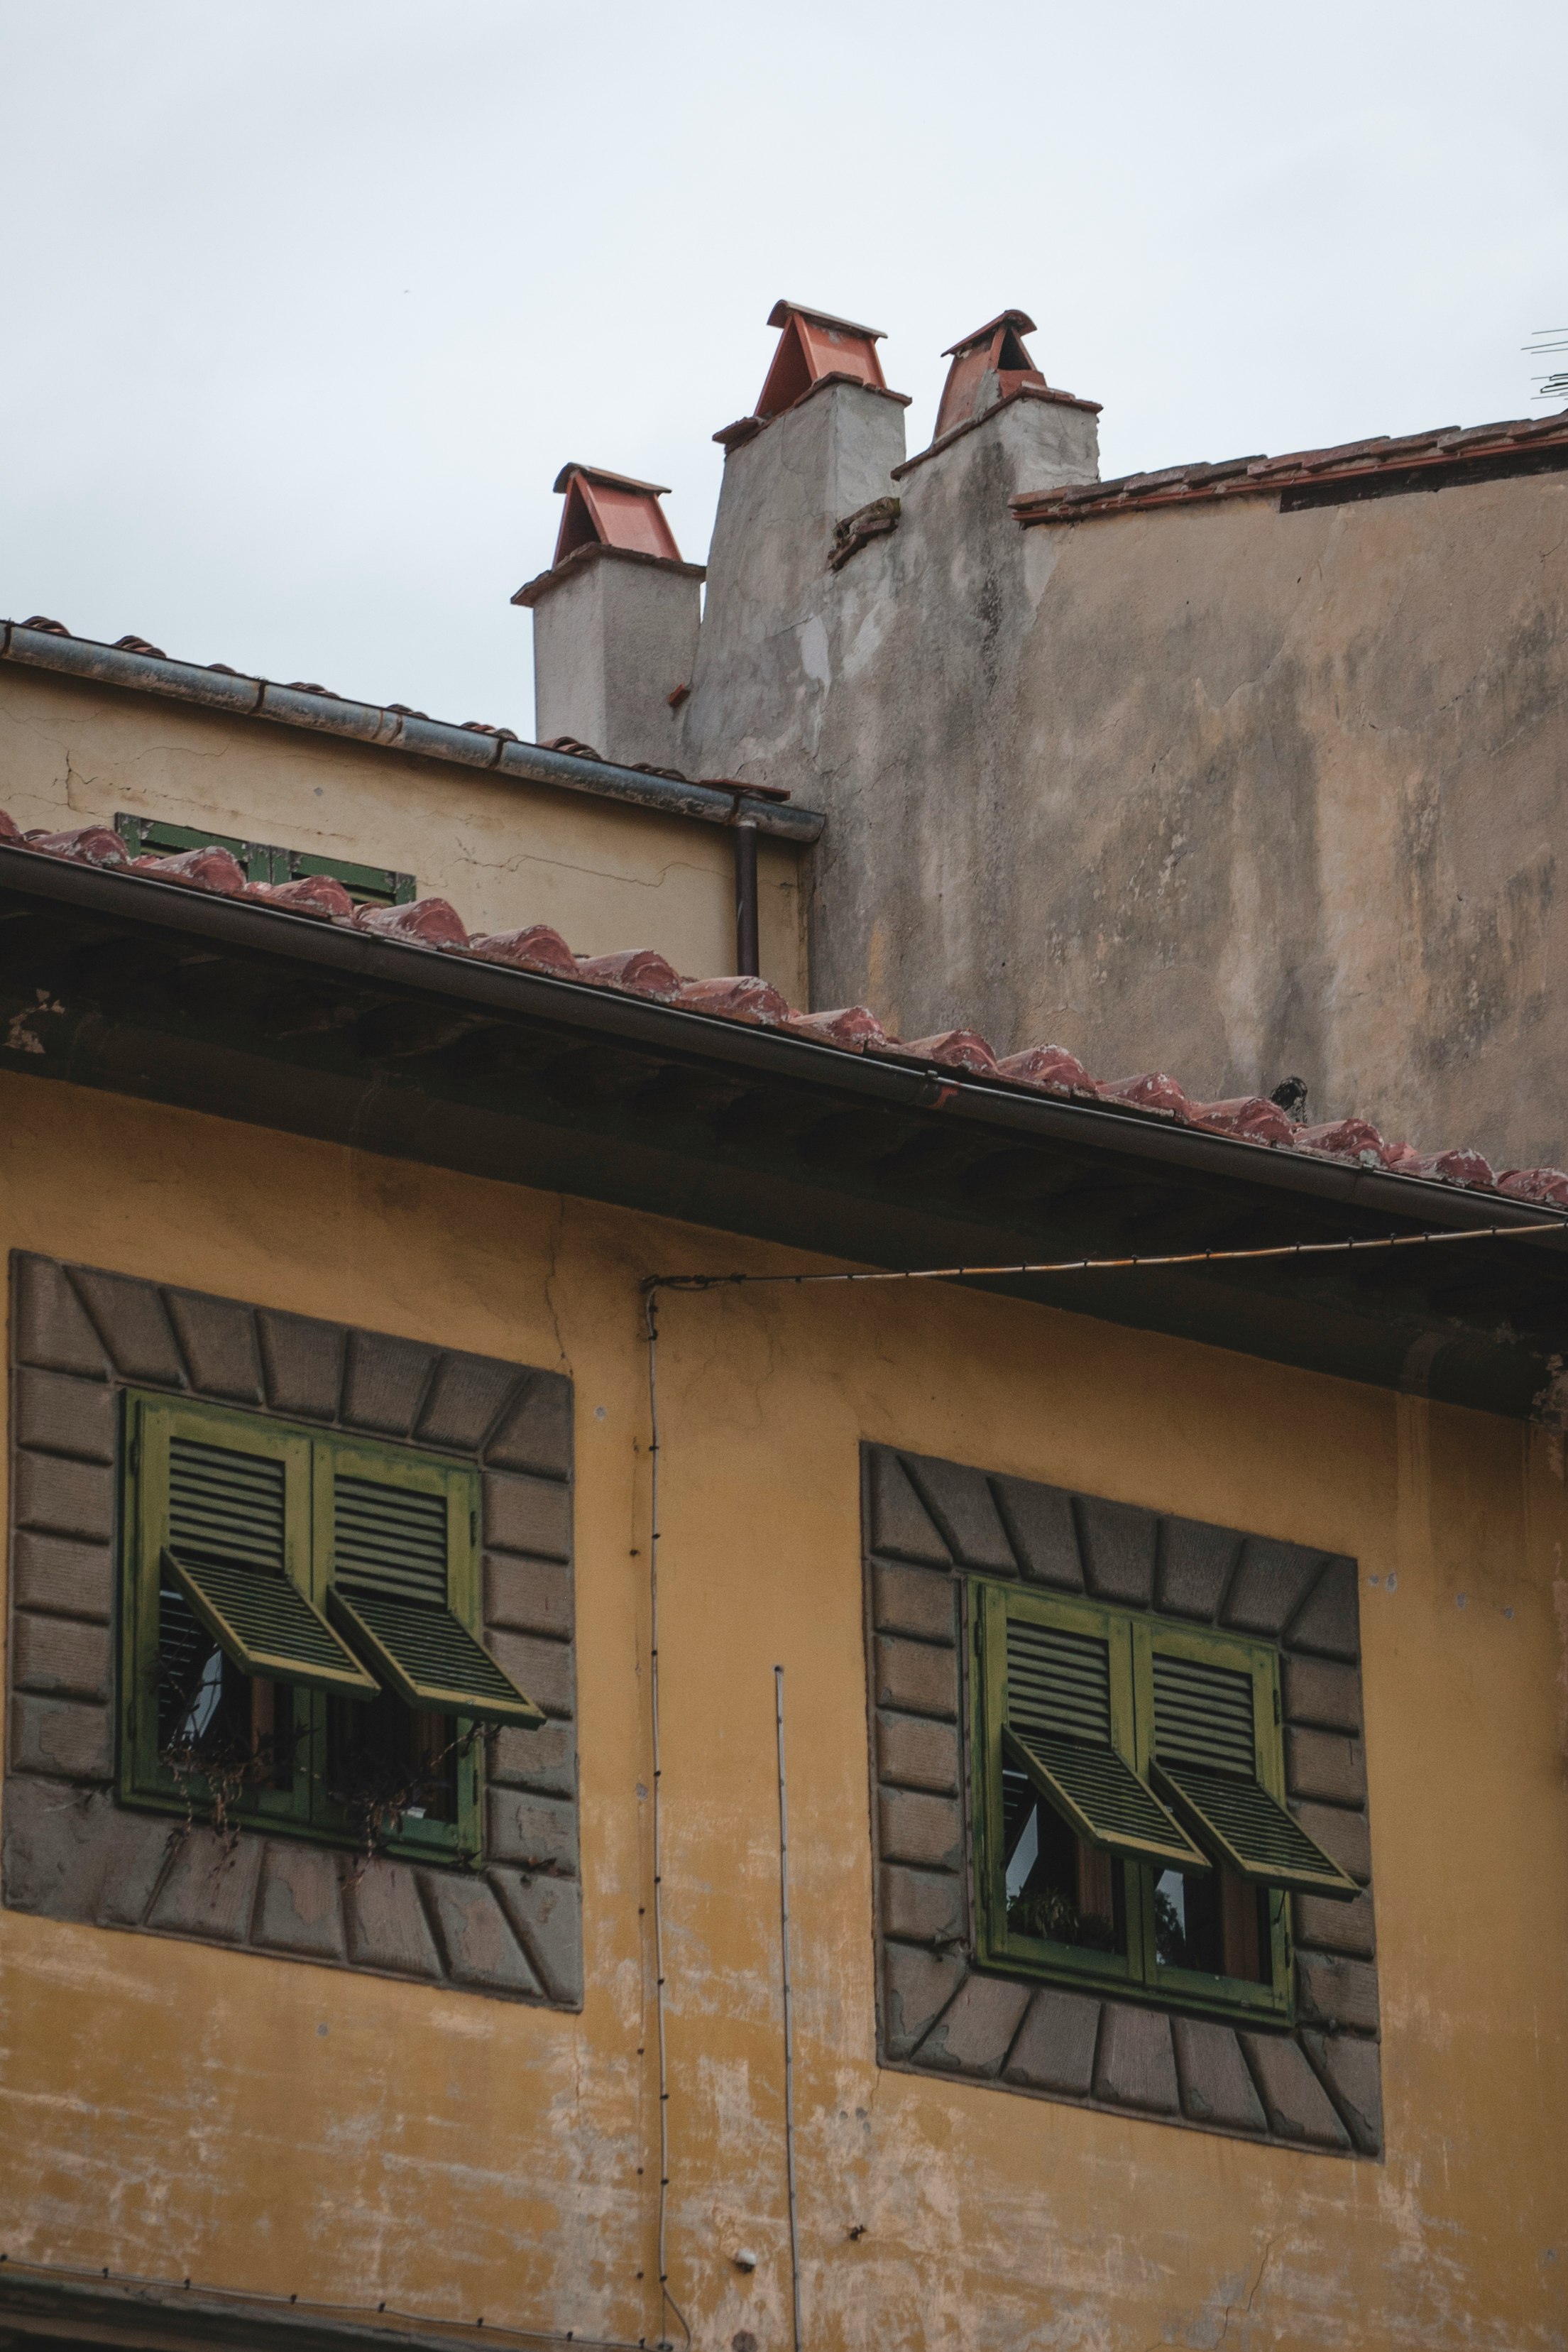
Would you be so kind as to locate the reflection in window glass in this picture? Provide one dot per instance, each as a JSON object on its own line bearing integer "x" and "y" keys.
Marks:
{"x": 1057, "y": 1888}
{"x": 1215, "y": 1922}
{"x": 214, "y": 1722}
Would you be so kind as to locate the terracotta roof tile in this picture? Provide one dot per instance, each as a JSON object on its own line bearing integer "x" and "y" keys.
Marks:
{"x": 1248, "y": 477}
{"x": 957, "y": 1049}
{"x": 535, "y": 948}
{"x": 1152, "y": 1091}
{"x": 426, "y": 923}
{"x": 198, "y": 870}
{"x": 855, "y": 1026}
{"x": 644, "y": 971}
{"x": 86, "y": 844}
{"x": 314, "y": 894}
{"x": 740, "y": 999}
{"x": 1252, "y": 1116}
{"x": 1051, "y": 1067}
{"x": 433, "y": 923}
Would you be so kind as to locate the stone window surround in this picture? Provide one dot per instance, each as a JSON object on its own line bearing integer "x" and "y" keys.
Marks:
{"x": 930, "y": 1525}
{"x": 80, "y": 1336}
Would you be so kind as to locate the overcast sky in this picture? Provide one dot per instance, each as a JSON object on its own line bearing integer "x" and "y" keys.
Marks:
{"x": 306, "y": 300}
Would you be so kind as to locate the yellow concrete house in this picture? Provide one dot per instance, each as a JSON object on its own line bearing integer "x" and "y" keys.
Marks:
{"x": 573, "y": 1776}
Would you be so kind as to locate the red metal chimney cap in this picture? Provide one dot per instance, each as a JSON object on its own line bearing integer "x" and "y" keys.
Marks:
{"x": 605, "y": 509}
{"x": 782, "y": 310}
{"x": 989, "y": 365}
{"x": 813, "y": 345}
{"x": 617, "y": 481}
{"x": 1019, "y": 320}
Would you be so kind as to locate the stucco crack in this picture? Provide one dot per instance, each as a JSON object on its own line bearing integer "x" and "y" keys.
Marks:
{"x": 655, "y": 881}
{"x": 552, "y": 1277}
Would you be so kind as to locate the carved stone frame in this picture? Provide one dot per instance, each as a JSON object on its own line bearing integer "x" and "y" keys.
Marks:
{"x": 70, "y": 1851}
{"x": 929, "y": 1525}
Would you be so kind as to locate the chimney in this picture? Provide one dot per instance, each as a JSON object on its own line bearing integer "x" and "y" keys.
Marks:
{"x": 814, "y": 346}
{"x": 987, "y": 366}
{"x": 819, "y": 445}
{"x": 615, "y": 621}
{"x": 1048, "y": 438}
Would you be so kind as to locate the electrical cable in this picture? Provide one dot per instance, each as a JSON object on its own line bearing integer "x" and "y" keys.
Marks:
{"x": 655, "y": 1282}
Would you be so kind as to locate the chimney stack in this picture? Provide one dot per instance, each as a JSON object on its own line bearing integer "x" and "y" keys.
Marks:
{"x": 987, "y": 366}
{"x": 615, "y": 621}
{"x": 821, "y": 445}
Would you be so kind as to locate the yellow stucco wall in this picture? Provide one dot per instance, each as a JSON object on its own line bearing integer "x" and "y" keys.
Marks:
{"x": 168, "y": 2108}
{"x": 505, "y": 854}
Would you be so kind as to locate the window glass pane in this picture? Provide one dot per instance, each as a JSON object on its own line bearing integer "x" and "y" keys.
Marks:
{"x": 387, "y": 1763}
{"x": 214, "y": 1722}
{"x": 1216, "y": 1923}
{"x": 1057, "y": 1888}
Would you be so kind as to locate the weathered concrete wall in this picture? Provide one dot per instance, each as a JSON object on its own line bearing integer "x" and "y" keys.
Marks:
{"x": 614, "y": 636}
{"x": 504, "y": 853}
{"x": 765, "y": 658}
{"x": 1230, "y": 793}
{"x": 170, "y": 2109}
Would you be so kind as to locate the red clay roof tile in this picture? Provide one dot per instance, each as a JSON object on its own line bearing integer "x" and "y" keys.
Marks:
{"x": 86, "y": 844}
{"x": 1046, "y": 1069}
{"x": 536, "y": 948}
{"x": 314, "y": 894}
{"x": 198, "y": 870}
{"x": 426, "y": 923}
{"x": 959, "y": 1049}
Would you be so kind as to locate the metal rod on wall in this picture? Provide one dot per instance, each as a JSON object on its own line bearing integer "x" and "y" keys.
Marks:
{"x": 788, "y": 2012}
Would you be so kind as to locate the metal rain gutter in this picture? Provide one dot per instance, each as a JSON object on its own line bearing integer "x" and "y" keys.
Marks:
{"x": 226, "y": 691}
{"x": 894, "y": 1080}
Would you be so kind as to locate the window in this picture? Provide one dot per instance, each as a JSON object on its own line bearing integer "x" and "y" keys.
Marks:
{"x": 370, "y": 885}
{"x": 1129, "y": 1822}
{"x": 297, "y": 1616}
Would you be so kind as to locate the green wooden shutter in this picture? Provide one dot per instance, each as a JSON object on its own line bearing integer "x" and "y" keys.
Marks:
{"x": 1207, "y": 1759}
{"x": 392, "y": 1529}
{"x": 226, "y": 1522}
{"x": 1059, "y": 1729}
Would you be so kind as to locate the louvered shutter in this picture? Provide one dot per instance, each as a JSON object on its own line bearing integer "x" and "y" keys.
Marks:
{"x": 391, "y": 1543}
{"x": 223, "y": 1487}
{"x": 1059, "y": 1730}
{"x": 1206, "y": 1760}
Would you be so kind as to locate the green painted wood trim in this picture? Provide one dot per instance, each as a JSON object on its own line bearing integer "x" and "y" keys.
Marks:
{"x": 458, "y": 1484}
{"x": 213, "y": 1606}
{"x": 998, "y": 1944}
{"x": 1098, "y": 1791}
{"x": 311, "y": 1459}
{"x": 395, "y": 1642}
{"x": 1259, "y": 1660}
{"x": 376, "y": 885}
{"x": 1252, "y": 1834}
{"x": 1132, "y": 1637}
{"x": 150, "y": 1423}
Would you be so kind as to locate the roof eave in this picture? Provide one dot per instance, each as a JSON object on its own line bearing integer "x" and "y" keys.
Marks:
{"x": 399, "y": 1084}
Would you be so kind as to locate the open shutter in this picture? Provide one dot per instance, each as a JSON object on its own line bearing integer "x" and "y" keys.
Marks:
{"x": 1059, "y": 1730}
{"x": 225, "y": 1552}
{"x": 1205, "y": 1761}
{"x": 389, "y": 1595}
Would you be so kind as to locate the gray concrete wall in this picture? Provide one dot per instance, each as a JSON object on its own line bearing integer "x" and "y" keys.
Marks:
{"x": 768, "y": 658}
{"x": 1230, "y": 793}
{"x": 614, "y": 636}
